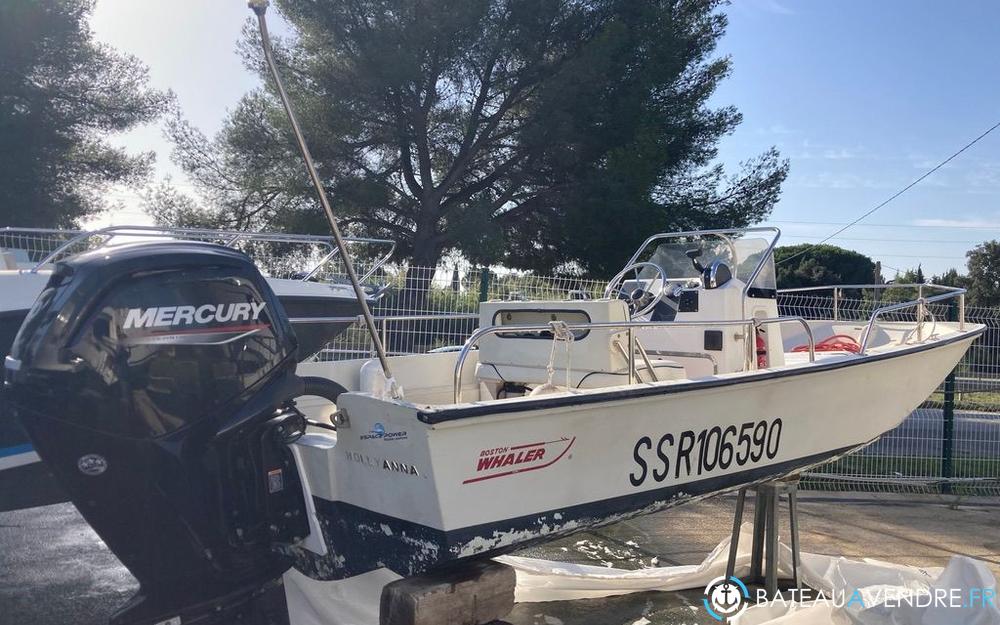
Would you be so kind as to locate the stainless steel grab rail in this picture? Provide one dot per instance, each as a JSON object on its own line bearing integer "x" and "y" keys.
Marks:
{"x": 631, "y": 326}
{"x": 891, "y": 285}
{"x": 231, "y": 238}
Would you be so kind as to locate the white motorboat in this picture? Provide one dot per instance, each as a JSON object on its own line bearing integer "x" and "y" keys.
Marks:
{"x": 27, "y": 258}
{"x": 555, "y": 424}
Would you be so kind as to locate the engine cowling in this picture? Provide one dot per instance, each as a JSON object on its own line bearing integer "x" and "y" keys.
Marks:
{"x": 156, "y": 380}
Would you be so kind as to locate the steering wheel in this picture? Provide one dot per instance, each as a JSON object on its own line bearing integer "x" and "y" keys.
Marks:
{"x": 640, "y": 301}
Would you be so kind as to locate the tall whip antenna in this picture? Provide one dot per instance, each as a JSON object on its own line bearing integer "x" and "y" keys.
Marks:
{"x": 259, "y": 7}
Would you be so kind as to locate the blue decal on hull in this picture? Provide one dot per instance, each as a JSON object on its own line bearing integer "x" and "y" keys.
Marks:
{"x": 15, "y": 450}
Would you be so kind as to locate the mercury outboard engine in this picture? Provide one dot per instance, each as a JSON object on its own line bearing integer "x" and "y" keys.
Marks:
{"x": 157, "y": 381}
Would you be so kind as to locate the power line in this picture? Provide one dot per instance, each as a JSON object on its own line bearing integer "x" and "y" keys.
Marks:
{"x": 920, "y": 256}
{"x": 903, "y": 190}
{"x": 842, "y": 223}
{"x": 882, "y": 240}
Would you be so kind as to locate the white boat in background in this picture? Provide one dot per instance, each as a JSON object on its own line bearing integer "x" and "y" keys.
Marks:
{"x": 27, "y": 256}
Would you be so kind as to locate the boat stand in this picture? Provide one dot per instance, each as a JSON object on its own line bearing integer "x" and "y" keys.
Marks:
{"x": 765, "y": 534}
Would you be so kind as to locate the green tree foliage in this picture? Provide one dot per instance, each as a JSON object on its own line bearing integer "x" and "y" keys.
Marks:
{"x": 903, "y": 294}
{"x": 984, "y": 274}
{"x": 951, "y": 278}
{"x": 527, "y": 132}
{"x": 819, "y": 265}
{"x": 60, "y": 93}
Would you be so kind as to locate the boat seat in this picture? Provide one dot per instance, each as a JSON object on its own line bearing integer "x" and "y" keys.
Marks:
{"x": 596, "y": 357}
{"x": 424, "y": 378}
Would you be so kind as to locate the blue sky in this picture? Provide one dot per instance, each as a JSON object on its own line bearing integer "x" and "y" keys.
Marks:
{"x": 862, "y": 97}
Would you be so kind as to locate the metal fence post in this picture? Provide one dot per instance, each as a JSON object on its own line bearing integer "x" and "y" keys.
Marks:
{"x": 948, "y": 426}
{"x": 484, "y": 284}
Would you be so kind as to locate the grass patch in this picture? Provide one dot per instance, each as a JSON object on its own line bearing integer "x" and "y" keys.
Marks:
{"x": 969, "y": 401}
{"x": 889, "y": 467}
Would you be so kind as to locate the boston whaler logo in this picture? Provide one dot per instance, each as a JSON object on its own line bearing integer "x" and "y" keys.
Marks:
{"x": 195, "y": 324}
{"x": 511, "y": 460}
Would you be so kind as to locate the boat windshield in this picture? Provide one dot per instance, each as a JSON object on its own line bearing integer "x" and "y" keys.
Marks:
{"x": 742, "y": 253}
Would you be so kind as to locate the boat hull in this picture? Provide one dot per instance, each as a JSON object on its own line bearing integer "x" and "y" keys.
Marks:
{"x": 428, "y": 489}
{"x": 24, "y": 481}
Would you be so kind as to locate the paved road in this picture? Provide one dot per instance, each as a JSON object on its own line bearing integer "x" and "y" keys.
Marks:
{"x": 977, "y": 435}
{"x": 976, "y": 385}
{"x": 55, "y": 571}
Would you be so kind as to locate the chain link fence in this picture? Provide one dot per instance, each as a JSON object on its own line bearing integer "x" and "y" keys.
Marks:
{"x": 451, "y": 296}
{"x": 950, "y": 444}
{"x": 938, "y": 448}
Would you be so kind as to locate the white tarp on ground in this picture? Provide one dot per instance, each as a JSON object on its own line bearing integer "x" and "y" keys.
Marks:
{"x": 878, "y": 584}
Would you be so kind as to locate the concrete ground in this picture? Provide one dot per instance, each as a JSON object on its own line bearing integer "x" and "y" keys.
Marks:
{"x": 54, "y": 569}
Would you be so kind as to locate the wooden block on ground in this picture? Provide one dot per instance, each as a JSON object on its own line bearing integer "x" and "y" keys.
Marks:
{"x": 474, "y": 594}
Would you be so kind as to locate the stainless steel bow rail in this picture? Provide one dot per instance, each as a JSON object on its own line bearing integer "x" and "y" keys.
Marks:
{"x": 921, "y": 306}
{"x": 749, "y": 338}
{"x": 951, "y": 293}
{"x": 228, "y": 238}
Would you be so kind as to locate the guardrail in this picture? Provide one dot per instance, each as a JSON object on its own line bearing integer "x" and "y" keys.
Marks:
{"x": 749, "y": 338}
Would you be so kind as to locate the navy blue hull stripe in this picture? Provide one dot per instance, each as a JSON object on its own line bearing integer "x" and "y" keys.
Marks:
{"x": 360, "y": 540}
